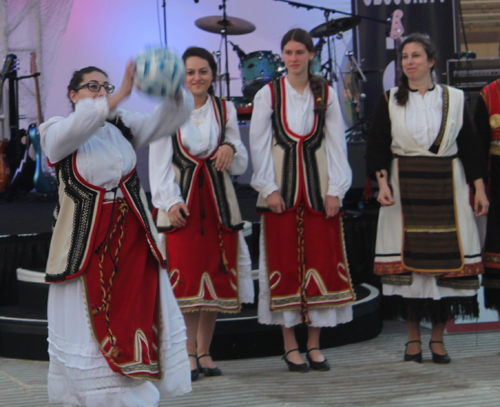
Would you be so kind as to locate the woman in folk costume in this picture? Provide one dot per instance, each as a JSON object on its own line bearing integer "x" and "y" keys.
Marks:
{"x": 299, "y": 156}
{"x": 116, "y": 334}
{"x": 487, "y": 120}
{"x": 423, "y": 151}
{"x": 208, "y": 259}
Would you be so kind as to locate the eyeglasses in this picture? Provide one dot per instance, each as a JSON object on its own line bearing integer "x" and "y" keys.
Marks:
{"x": 96, "y": 87}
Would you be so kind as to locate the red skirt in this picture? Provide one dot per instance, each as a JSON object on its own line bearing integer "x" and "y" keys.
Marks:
{"x": 306, "y": 262}
{"x": 203, "y": 259}
{"x": 121, "y": 284}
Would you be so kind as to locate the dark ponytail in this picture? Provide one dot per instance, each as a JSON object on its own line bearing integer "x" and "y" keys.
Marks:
{"x": 430, "y": 50}
{"x": 316, "y": 83}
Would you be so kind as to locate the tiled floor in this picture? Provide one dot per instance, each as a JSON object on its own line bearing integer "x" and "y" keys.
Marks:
{"x": 364, "y": 374}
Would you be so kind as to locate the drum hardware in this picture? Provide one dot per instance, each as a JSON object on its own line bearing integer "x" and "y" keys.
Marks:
{"x": 257, "y": 69}
{"x": 355, "y": 78}
{"x": 225, "y": 26}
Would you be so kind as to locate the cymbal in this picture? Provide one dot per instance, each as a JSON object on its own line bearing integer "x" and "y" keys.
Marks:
{"x": 234, "y": 26}
{"x": 334, "y": 27}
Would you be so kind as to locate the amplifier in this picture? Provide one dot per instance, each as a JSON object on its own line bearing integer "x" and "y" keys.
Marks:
{"x": 472, "y": 75}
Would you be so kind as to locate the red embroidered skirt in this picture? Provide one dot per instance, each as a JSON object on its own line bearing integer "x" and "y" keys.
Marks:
{"x": 306, "y": 262}
{"x": 121, "y": 284}
{"x": 202, "y": 259}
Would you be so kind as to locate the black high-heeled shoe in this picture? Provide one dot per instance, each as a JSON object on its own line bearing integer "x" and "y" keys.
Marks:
{"x": 294, "y": 367}
{"x": 208, "y": 371}
{"x": 417, "y": 357}
{"x": 437, "y": 358}
{"x": 195, "y": 373}
{"x": 323, "y": 366}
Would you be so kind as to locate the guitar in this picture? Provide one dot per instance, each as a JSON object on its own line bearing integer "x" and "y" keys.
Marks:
{"x": 43, "y": 180}
{"x": 396, "y": 33}
{"x": 392, "y": 71}
{"x": 8, "y": 67}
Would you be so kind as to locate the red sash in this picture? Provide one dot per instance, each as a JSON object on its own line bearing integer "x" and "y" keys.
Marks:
{"x": 491, "y": 95}
{"x": 123, "y": 301}
{"x": 202, "y": 256}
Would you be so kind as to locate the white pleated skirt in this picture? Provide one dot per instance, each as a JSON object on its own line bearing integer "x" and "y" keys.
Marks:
{"x": 425, "y": 286}
{"x": 79, "y": 375}
{"x": 323, "y": 317}
{"x": 245, "y": 279}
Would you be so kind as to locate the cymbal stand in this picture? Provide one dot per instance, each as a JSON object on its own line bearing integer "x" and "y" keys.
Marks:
{"x": 223, "y": 32}
{"x": 330, "y": 75}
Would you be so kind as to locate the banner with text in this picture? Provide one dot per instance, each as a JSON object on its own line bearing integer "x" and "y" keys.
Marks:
{"x": 376, "y": 49}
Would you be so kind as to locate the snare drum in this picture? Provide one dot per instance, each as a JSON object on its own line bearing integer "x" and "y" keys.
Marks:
{"x": 257, "y": 69}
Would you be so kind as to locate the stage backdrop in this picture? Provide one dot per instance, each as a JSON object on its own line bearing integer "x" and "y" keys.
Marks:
{"x": 377, "y": 51}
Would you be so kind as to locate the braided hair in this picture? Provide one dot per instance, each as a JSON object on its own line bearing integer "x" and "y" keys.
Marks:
{"x": 207, "y": 56}
{"x": 430, "y": 50}
{"x": 316, "y": 83}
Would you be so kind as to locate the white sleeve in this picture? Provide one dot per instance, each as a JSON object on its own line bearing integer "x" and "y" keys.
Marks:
{"x": 261, "y": 137}
{"x": 240, "y": 159}
{"x": 339, "y": 170}
{"x": 164, "y": 191}
{"x": 165, "y": 120}
{"x": 61, "y": 137}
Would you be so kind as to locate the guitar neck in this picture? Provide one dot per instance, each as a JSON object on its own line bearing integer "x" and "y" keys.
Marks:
{"x": 38, "y": 102}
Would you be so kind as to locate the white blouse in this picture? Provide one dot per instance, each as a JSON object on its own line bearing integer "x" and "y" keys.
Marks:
{"x": 300, "y": 119}
{"x": 199, "y": 135}
{"x": 423, "y": 115}
{"x": 104, "y": 155}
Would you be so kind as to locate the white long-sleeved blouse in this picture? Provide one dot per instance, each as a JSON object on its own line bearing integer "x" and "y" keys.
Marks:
{"x": 300, "y": 119}
{"x": 104, "y": 156}
{"x": 424, "y": 114}
{"x": 199, "y": 135}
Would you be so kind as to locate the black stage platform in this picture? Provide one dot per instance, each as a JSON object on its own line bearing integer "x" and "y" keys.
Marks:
{"x": 25, "y": 231}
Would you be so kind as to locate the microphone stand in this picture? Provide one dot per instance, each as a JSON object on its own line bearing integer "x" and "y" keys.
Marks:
{"x": 332, "y": 10}
{"x": 165, "y": 21}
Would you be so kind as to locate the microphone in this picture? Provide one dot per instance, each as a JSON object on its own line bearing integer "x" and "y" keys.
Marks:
{"x": 238, "y": 50}
{"x": 196, "y": 1}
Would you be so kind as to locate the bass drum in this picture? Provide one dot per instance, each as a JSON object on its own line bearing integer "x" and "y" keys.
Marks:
{"x": 257, "y": 69}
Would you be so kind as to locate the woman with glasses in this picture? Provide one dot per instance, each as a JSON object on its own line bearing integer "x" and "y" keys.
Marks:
{"x": 208, "y": 260}
{"x": 114, "y": 324}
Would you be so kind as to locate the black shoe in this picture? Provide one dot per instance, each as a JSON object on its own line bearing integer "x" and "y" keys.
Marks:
{"x": 436, "y": 358}
{"x": 294, "y": 367}
{"x": 323, "y": 366}
{"x": 417, "y": 357}
{"x": 195, "y": 373}
{"x": 207, "y": 371}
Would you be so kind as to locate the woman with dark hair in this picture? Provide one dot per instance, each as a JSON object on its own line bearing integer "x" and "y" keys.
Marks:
{"x": 423, "y": 152}
{"x": 299, "y": 156}
{"x": 190, "y": 175}
{"x": 114, "y": 325}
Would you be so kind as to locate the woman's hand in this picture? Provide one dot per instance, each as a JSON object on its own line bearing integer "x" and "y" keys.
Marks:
{"x": 223, "y": 157}
{"x": 175, "y": 214}
{"x": 126, "y": 89}
{"x": 385, "y": 195}
{"x": 276, "y": 202}
{"x": 384, "y": 190}
{"x": 481, "y": 203}
{"x": 332, "y": 206}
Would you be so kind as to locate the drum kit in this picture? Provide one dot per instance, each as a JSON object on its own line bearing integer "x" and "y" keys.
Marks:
{"x": 260, "y": 67}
